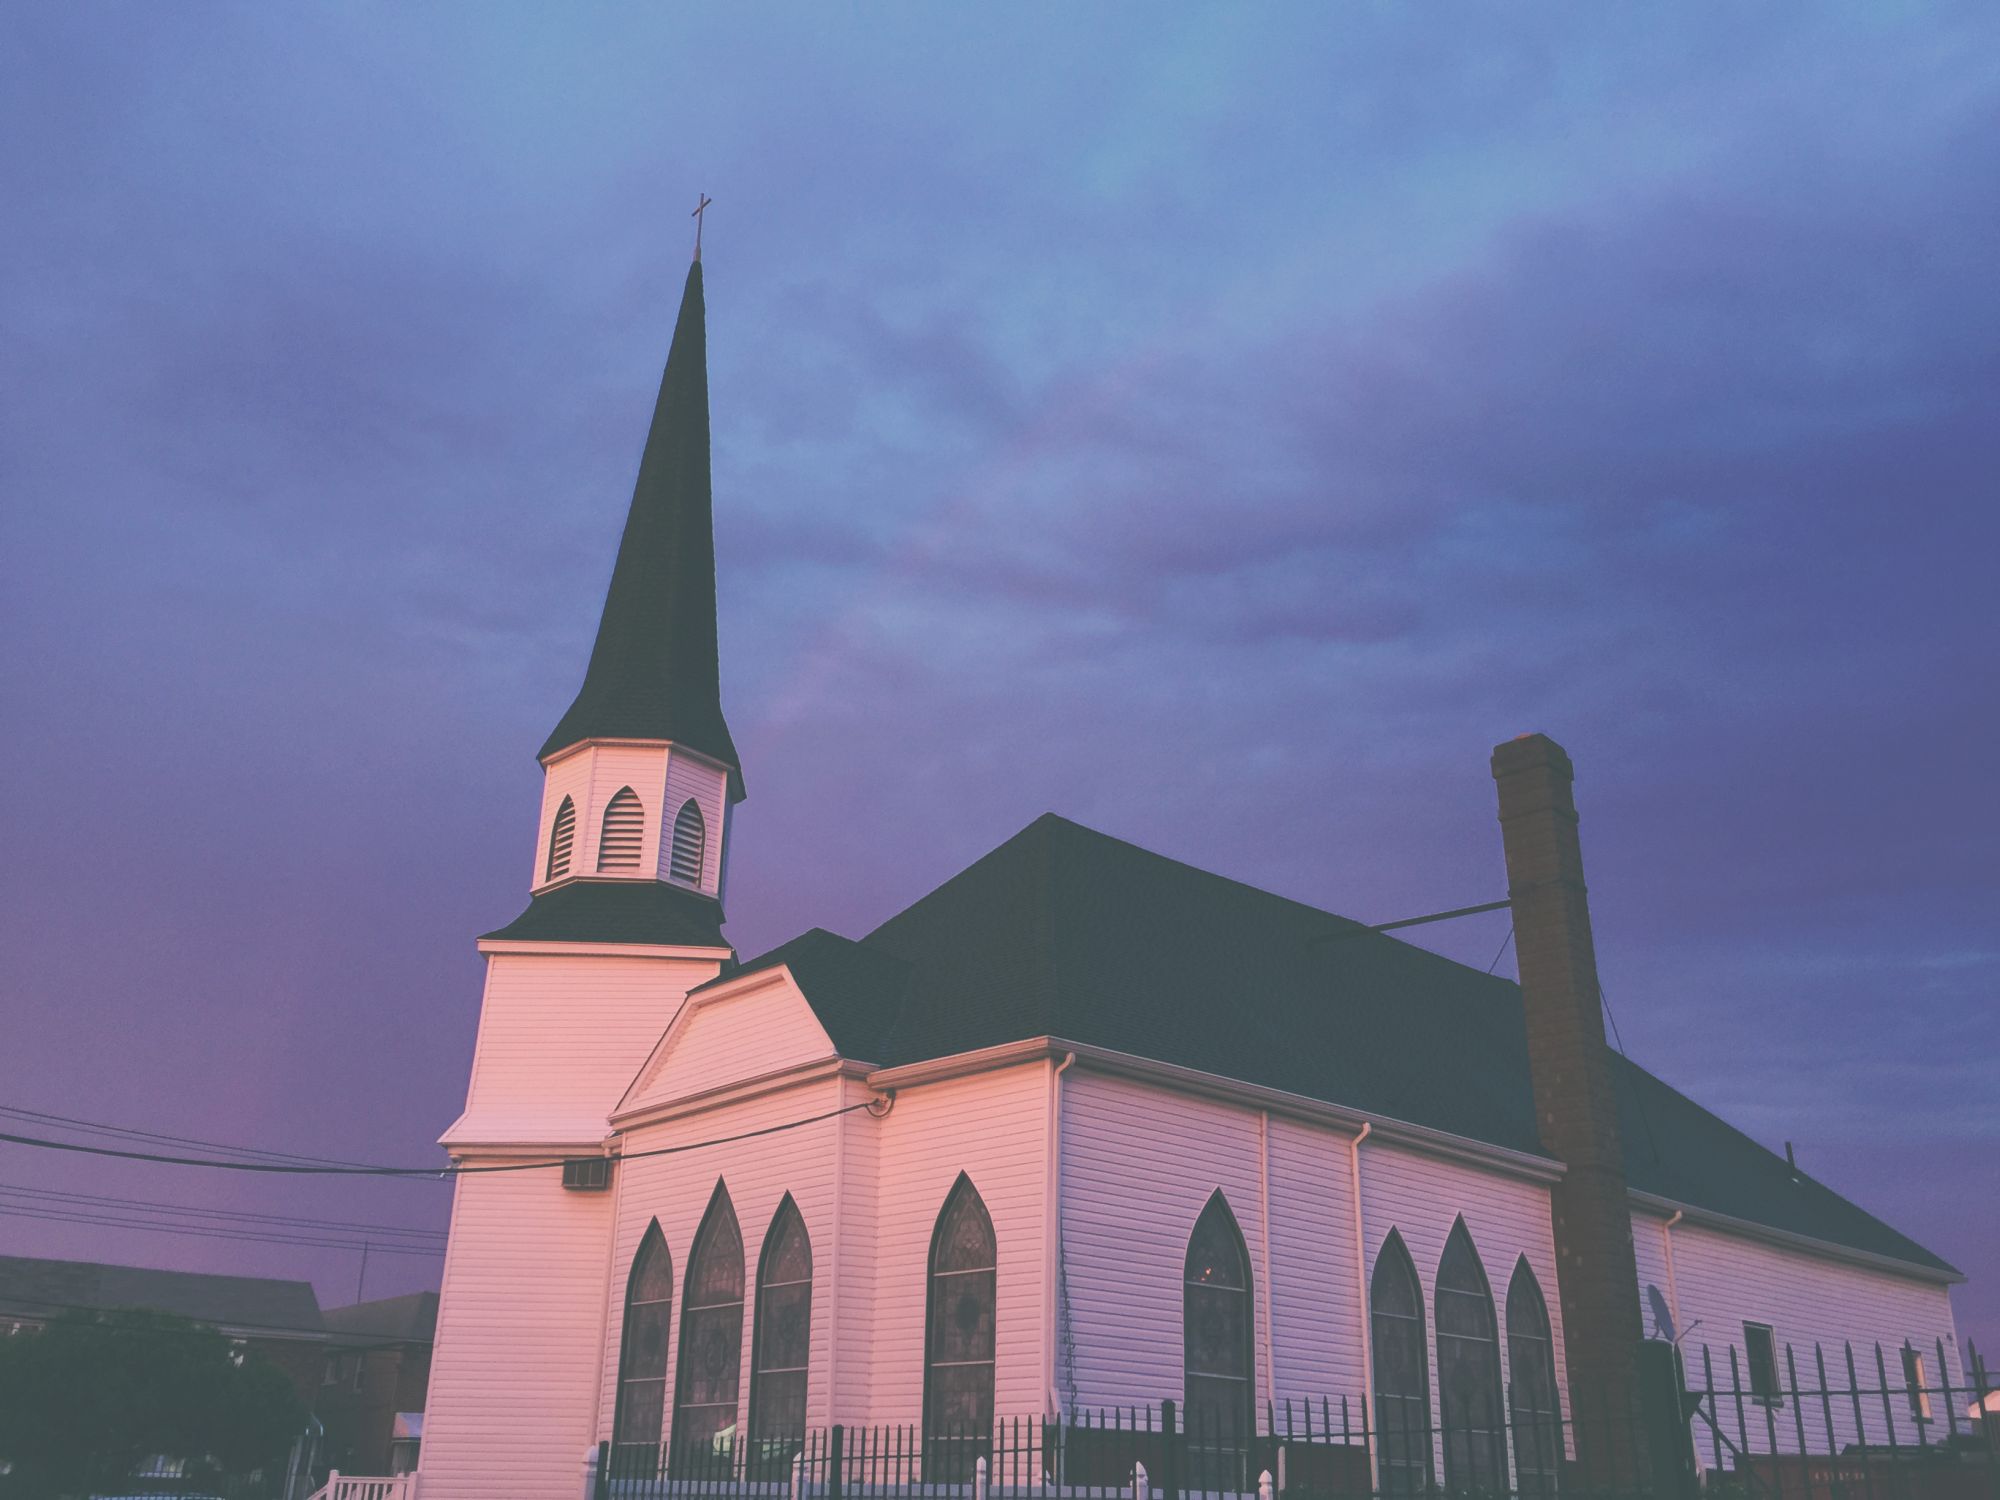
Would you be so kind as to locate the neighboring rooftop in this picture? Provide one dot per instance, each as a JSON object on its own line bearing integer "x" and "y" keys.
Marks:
{"x": 1068, "y": 933}
{"x": 31, "y": 1287}
{"x": 408, "y": 1319}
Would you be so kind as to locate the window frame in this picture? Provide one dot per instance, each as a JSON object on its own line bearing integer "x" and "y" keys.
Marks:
{"x": 720, "y": 1213}
{"x": 652, "y": 1241}
{"x": 562, "y": 841}
{"x": 1916, "y": 1382}
{"x": 1765, "y": 1391}
{"x": 621, "y": 799}
{"x": 1420, "y": 1464}
{"x": 945, "y": 1453}
{"x": 674, "y": 868}
{"x": 1545, "y": 1424}
{"x": 776, "y": 1464}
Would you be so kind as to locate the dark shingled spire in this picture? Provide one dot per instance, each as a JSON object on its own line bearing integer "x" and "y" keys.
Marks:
{"x": 653, "y": 673}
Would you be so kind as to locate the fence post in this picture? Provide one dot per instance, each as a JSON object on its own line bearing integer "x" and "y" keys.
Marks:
{"x": 979, "y": 1478}
{"x": 1142, "y": 1487}
{"x": 836, "y": 1443}
{"x": 332, "y": 1483}
{"x": 1170, "y": 1457}
{"x": 799, "y": 1475}
{"x": 1265, "y": 1490}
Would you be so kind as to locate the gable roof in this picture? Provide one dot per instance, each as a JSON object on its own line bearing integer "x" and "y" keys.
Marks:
{"x": 37, "y": 1288}
{"x": 1065, "y": 932}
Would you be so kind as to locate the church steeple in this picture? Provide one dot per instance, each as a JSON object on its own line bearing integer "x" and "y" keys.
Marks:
{"x": 640, "y": 778}
{"x": 654, "y": 672}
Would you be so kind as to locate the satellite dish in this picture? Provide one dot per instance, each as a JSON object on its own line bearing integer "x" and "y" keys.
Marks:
{"x": 1663, "y": 1318}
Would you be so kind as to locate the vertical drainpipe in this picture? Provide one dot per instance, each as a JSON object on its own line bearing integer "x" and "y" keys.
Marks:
{"x": 1264, "y": 1210}
{"x": 833, "y": 1267}
{"x": 1361, "y": 1277}
{"x": 1052, "y": 1238}
{"x": 1673, "y": 1287}
{"x": 610, "y": 1280}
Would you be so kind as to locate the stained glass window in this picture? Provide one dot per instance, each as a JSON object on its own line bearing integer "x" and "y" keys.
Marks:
{"x": 1531, "y": 1380}
{"x": 642, "y": 1358}
{"x": 958, "y": 1365}
{"x": 1468, "y": 1353}
{"x": 1402, "y": 1370}
{"x": 711, "y": 1357}
{"x": 782, "y": 1343}
{"x": 1216, "y": 1329}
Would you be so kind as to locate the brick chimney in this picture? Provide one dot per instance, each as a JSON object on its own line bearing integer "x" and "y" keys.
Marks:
{"x": 1575, "y": 1111}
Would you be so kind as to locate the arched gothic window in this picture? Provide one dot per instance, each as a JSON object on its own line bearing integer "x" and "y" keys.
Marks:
{"x": 1469, "y": 1406}
{"x": 711, "y": 1358}
{"x": 624, "y": 826}
{"x": 1402, "y": 1370}
{"x": 690, "y": 844}
{"x": 562, "y": 840}
{"x": 1216, "y": 1331}
{"x": 1531, "y": 1380}
{"x": 782, "y": 1342}
{"x": 642, "y": 1358}
{"x": 959, "y": 1336}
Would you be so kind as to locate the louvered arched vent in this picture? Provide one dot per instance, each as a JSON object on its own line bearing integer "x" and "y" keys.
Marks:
{"x": 562, "y": 840}
{"x": 624, "y": 824}
{"x": 690, "y": 843}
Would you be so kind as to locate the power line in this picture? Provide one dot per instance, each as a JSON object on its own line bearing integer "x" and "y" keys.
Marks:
{"x": 1499, "y": 952}
{"x": 98, "y": 1127}
{"x": 99, "y": 1201}
{"x": 1638, "y": 1095}
{"x": 300, "y": 1170}
{"x": 213, "y": 1232}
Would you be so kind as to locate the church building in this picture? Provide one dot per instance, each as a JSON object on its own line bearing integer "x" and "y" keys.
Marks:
{"x": 1084, "y": 1127}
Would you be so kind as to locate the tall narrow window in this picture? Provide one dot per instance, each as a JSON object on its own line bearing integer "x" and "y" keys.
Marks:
{"x": 781, "y": 1343}
{"x": 1215, "y": 1332}
{"x": 1531, "y": 1381}
{"x": 690, "y": 844}
{"x": 624, "y": 824}
{"x": 1916, "y": 1385}
{"x": 562, "y": 839}
{"x": 1469, "y": 1408}
{"x": 959, "y": 1336}
{"x": 711, "y": 1359}
{"x": 1402, "y": 1371}
{"x": 642, "y": 1359}
{"x": 1760, "y": 1345}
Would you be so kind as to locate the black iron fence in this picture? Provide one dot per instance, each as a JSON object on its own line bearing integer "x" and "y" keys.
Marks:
{"x": 1890, "y": 1425}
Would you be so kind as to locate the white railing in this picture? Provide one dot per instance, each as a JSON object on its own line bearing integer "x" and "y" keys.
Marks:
{"x": 341, "y": 1486}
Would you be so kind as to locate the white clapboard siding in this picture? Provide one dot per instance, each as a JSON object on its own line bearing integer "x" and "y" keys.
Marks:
{"x": 1420, "y": 1196}
{"x": 675, "y": 1191}
{"x": 727, "y": 1039}
{"x": 993, "y": 1127}
{"x": 561, "y": 1037}
{"x": 708, "y": 786}
{"x": 1724, "y": 1280}
{"x": 520, "y": 1316}
{"x": 1315, "y": 1296}
{"x": 1138, "y": 1166}
{"x": 858, "y": 1166}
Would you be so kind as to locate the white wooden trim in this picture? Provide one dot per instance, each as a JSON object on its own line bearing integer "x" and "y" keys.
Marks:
{"x": 604, "y": 950}
{"x": 1786, "y": 1239}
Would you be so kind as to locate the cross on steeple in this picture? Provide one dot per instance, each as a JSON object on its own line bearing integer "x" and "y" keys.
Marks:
{"x": 705, "y": 201}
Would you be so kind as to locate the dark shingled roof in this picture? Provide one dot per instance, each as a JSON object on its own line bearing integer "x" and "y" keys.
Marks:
{"x": 1069, "y": 933}
{"x": 407, "y": 1319}
{"x": 653, "y": 671}
{"x": 35, "y": 1288}
{"x": 619, "y": 911}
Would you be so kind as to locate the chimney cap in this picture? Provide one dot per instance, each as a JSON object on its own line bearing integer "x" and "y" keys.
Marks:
{"x": 1528, "y": 751}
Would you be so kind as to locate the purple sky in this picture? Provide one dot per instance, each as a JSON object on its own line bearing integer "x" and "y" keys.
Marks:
{"x": 1220, "y": 427}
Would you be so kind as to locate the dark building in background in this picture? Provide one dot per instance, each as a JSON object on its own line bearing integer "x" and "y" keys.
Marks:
{"x": 370, "y": 1399}
{"x": 280, "y": 1320}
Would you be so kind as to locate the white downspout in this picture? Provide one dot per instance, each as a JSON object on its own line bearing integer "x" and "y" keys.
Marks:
{"x": 1361, "y": 1284}
{"x": 1673, "y": 1287}
{"x": 1052, "y": 1238}
{"x": 1264, "y": 1213}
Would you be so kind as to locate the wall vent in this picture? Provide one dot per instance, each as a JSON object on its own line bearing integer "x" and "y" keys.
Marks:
{"x": 690, "y": 843}
{"x": 624, "y": 825}
{"x": 587, "y": 1174}
{"x": 562, "y": 840}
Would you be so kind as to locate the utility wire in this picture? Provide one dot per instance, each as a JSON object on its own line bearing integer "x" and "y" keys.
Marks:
{"x": 1502, "y": 949}
{"x": 98, "y": 1127}
{"x": 216, "y": 1232}
{"x": 301, "y": 1170}
{"x": 97, "y": 1202}
{"x": 1638, "y": 1096}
